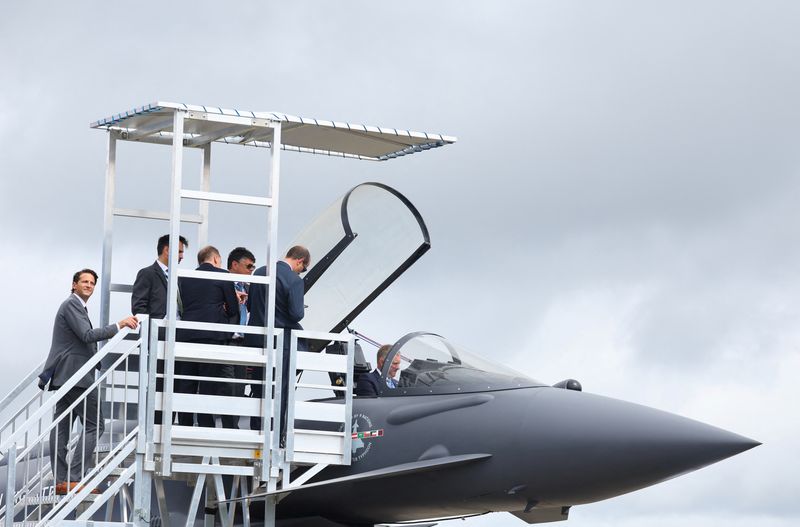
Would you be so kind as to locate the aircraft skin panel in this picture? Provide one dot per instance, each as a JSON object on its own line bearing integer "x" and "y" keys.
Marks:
{"x": 388, "y": 472}
{"x": 545, "y": 515}
{"x": 549, "y": 446}
{"x": 407, "y": 414}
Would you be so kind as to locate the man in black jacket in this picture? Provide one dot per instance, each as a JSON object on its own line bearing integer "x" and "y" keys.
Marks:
{"x": 149, "y": 295}
{"x": 150, "y": 287}
{"x": 206, "y": 300}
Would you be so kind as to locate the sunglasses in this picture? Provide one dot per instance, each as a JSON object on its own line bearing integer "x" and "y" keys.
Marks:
{"x": 249, "y": 267}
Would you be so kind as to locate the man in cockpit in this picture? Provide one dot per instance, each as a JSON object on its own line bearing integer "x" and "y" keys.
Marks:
{"x": 369, "y": 383}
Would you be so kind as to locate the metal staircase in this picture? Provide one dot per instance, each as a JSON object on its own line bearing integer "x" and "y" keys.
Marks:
{"x": 130, "y": 456}
{"x": 29, "y": 496}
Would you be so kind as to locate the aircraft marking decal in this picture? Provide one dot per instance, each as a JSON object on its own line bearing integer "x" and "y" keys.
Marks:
{"x": 363, "y": 429}
{"x": 369, "y": 434}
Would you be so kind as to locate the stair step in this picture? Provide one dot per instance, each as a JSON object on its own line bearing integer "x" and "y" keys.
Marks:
{"x": 51, "y": 499}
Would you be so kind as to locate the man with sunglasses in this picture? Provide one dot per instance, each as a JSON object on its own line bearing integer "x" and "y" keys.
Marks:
{"x": 289, "y": 311}
{"x": 240, "y": 261}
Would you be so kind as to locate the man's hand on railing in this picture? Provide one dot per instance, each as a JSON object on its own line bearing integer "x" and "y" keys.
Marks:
{"x": 128, "y": 322}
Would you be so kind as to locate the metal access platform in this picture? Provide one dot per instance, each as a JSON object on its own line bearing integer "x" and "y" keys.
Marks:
{"x": 213, "y": 465}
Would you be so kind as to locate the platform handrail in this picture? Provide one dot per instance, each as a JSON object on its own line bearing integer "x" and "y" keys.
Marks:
{"x": 114, "y": 459}
{"x": 26, "y": 446}
{"x": 212, "y": 326}
{"x": 23, "y": 384}
{"x": 50, "y": 404}
{"x": 321, "y": 411}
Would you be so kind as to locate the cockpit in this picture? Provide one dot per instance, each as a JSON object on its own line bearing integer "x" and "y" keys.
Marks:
{"x": 361, "y": 244}
{"x": 430, "y": 364}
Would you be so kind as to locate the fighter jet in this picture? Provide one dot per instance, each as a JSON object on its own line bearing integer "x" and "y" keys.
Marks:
{"x": 451, "y": 434}
{"x": 446, "y": 433}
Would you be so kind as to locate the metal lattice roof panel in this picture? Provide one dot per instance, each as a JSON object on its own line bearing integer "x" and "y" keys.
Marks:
{"x": 205, "y": 124}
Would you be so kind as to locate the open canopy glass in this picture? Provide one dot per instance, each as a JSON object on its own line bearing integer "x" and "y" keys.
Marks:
{"x": 359, "y": 246}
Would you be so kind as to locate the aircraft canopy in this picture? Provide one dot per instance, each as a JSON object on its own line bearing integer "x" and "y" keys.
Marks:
{"x": 359, "y": 246}
{"x": 432, "y": 365}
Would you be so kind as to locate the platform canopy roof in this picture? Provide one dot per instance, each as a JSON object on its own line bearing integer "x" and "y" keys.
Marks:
{"x": 154, "y": 122}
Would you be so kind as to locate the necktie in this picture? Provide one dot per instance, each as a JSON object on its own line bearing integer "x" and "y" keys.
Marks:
{"x": 239, "y": 286}
{"x": 87, "y": 317}
{"x": 180, "y": 302}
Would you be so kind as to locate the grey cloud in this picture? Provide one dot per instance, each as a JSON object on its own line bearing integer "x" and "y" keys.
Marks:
{"x": 605, "y": 150}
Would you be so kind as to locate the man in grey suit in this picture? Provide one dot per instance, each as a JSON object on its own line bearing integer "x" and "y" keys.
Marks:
{"x": 74, "y": 343}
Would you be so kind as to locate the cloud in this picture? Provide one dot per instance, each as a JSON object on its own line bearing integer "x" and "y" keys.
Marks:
{"x": 620, "y": 207}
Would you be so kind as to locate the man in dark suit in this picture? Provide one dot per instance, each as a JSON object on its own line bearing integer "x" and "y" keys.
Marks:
{"x": 240, "y": 261}
{"x": 74, "y": 342}
{"x": 289, "y": 311}
{"x": 150, "y": 287}
{"x": 149, "y": 296}
{"x": 369, "y": 384}
{"x": 206, "y": 300}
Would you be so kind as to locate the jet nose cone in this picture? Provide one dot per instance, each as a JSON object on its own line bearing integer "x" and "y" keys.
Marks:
{"x": 603, "y": 447}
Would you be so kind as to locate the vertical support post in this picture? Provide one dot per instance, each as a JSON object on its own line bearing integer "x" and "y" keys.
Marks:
{"x": 152, "y": 368}
{"x": 269, "y": 510}
{"x": 161, "y": 496}
{"x": 144, "y": 363}
{"x": 208, "y": 516}
{"x": 205, "y": 186}
{"x": 289, "y": 371}
{"x": 348, "y": 398}
{"x": 223, "y": 509}
{"x": 272, "y": 226}
{"x": 108, "y": 220}
{"x": 269, "y": 346}
{"x": 11, "y": 484}
{"x": 142, "y": 482}
{"x": 244, "y": 491}
{"x": 272, "y": 459}
{"x": 172, "y": 291}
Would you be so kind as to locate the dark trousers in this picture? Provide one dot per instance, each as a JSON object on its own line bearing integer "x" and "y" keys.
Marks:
{"x": 239, "y": 371}
{"x": 204, "y": 369}
{"x": 91, "y": 416}
{"x": 256, "y": 390}
{"x": 135, "y": 365}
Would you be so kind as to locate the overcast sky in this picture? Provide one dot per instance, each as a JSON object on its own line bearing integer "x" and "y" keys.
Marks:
{"x": 621, "y": 206}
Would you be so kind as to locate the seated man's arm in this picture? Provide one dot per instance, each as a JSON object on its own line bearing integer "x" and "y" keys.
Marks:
{"x": 364, "y": 388}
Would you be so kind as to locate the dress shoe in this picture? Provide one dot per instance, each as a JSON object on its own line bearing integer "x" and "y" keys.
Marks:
{"x": 63, "y": 488}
